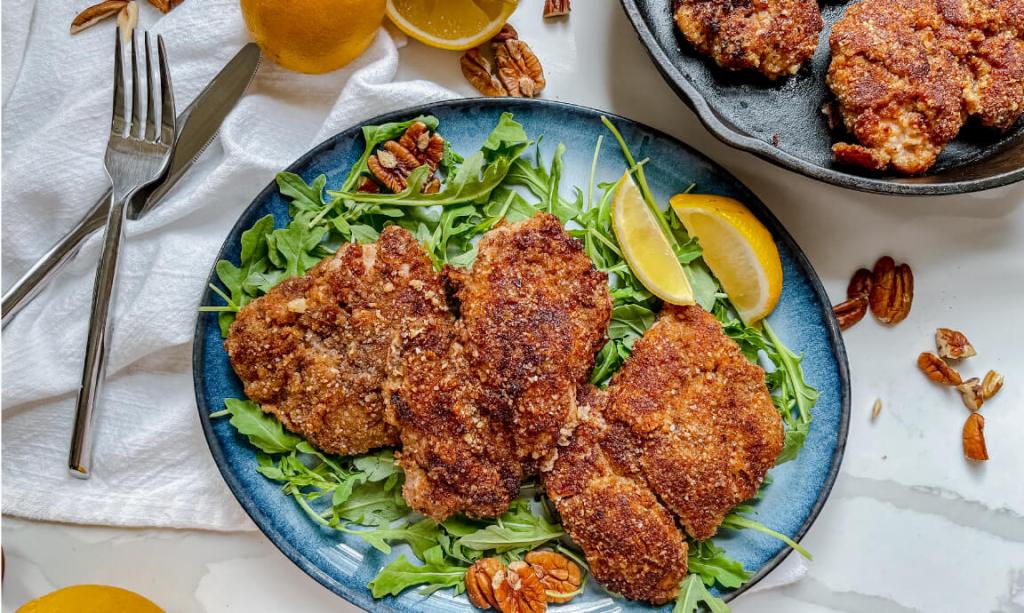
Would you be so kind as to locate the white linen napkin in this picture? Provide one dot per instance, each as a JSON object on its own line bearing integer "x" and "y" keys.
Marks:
{"x": 151, "y": 466}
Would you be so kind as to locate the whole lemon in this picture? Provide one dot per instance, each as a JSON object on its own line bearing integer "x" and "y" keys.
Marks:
{"x": 313, "y": 35}
{"x": 90, "y": 599}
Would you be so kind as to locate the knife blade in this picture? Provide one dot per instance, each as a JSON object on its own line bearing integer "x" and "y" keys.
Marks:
{"x": 199, "y": 124}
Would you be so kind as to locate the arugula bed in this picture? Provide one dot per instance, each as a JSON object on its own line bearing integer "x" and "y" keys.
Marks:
{"x": 506, "y": 179}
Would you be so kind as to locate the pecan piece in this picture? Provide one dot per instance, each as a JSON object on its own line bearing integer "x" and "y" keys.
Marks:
{"x": 393, "y": 164}
{"x": 519, "y": 590}
{"x": 366, "y": 185}
{"x": 937, "y": 370}
{"x": 507, "y": 32}
{"x": 127, "y": 19}
{"x": 991, "y": 384}
{"x": 850, "y": 312}
{"x": 953, "y": 344}
{"x": 860, "y": 284}
{"x": 427, "y": 148}
{"x": 558, "y": 574}
{"x": 479, "y": 582}
{"x": 892, "y": 291}
{"x": 554, "y": 8}
{"x": 974, "y": 438}
{"x": 97, "y": 13}
{"x": 519, "y": 69}
{"x": 477, "y": 71}
{"x": 971, "y": 393}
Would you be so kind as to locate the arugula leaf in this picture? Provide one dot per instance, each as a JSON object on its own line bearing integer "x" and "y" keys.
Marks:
{"x": 400, "y": 574}
{"x": 293, "y": 247}
{"x": 693, "y": 594}
{"x": 420, "y": 536}
{"x": 304, "y": 197}
{"x": 372, "y": 504}
{"x": 714, "y": 566}
{"x": 376, "y": 466}
{"x": 518, "y": 528}
{"x": 262, "y": 430}
{"x": 737, "y": 522}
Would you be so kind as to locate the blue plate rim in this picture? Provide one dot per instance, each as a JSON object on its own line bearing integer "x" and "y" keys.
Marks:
{"x": 262, "y": 520}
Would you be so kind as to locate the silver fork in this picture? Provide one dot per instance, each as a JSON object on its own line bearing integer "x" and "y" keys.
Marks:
{"x": 137, "y": 155}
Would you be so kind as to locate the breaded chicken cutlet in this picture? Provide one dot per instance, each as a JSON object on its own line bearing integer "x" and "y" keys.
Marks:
{"x": 314, "y": 352}
{"x": 479, "y": 404}
{"x": 908, "y": 73}
{"x": 688, "y": 426}
{"x": 773, "y": 37}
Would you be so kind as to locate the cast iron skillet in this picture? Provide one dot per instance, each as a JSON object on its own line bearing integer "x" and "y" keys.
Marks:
{"x": 782, "y": 121}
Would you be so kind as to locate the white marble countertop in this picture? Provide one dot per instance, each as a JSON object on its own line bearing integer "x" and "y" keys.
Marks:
{"x": 910, "y": 525}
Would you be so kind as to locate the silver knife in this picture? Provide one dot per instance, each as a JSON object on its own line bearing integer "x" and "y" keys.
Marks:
{"x": 199, "y": 124}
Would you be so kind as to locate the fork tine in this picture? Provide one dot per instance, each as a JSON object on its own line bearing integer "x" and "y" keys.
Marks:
{"x": 136, "y": 110}
{"x": 117, "y": 118}
{"x": 150, "y": 113}
{"x": 167, "y": 114}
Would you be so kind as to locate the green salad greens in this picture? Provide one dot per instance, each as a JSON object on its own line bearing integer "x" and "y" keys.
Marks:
{"x": 506, "y": 179}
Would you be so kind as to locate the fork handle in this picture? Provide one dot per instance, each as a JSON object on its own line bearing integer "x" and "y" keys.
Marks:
{"x": 94, "y": 369}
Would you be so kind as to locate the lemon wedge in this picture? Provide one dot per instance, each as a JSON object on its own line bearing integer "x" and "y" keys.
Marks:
{"x": 738, "y": 249}
{"x": 451, "y": 24}
{"x": 645, "y": 247}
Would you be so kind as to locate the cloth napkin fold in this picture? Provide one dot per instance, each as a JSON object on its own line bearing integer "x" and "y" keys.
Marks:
{"x": 151, "y": 466}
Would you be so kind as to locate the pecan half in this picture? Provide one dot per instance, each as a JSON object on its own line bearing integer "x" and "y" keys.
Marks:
{"x": 392, "y": 165}
{"x": 953, "y": 344}
{"x": 477, "y": 71}
{"x": 991, "y": 384}
{"x": 850, "y": 312}
{"x": 427, "y": 148}
{"x": 97, "y": 13}
{"x": 557, "y": 573}
{"x": 507, "y": 32}
{"x": 892, "y": 291}
{"x": 937, "y": 370}
{"x": 971, "y": 393}
{"x": 974, "y": 438}
{"x": 479, "y": 582}
{"x": 860, "y": 284}
{"x": 519, "y": 70}
{"x": 554, "y": 8}
{"x": 519, "y": 590}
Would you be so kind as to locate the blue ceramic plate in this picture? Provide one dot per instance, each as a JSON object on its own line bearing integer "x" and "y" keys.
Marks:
{"x": 345, "y": 564}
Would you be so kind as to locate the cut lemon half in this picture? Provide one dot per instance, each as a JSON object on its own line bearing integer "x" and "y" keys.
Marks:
{"x": 645, "y": 247}
{"x": 451, "y": 24}
{"x": 738, "y": 249}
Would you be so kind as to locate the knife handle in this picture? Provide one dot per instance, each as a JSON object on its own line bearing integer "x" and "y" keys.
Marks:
{"x": 25, "y": 288}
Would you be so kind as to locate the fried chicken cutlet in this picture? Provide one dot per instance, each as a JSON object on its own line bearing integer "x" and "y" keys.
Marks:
{"x": 314, "y": 352}
{"x": 631, "y": 542}
{"x": 908, "y": 73}
{"x": 686, "y": 428}
{"x": 479, "y": 403}
{"x": 535, "y": 312}
{"x": 773, "y": 37}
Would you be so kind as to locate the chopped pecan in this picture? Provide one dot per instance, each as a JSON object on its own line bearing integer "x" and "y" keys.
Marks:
{"x": 554, "y": 8}
{"x": 165, "y": 6}
{"x": 558, "y": 574}
{"x": 127, "y": 19}
{"x": 367, "y": 185}
{"x": 892, "y": 291}
{"x": 953, "y": 344}
{"x": 876, "y": 408}
{"x": 97, "y": 13}
{"x": 507, "y": 32}
{"x": 393, "y": 164}
{"x": 519, "y": 590}
{"x": 937, "y": 370}
{"x": 850, "y": 312}
{"x": 519, "y": 69}
{"x": 477, "y": 71}
{"x": 427, "y": 148}
{"x": 974, "y": 438}
{"x": 860, "y": 284}
{"x": 479, "y": 582}
{"x": 971, "y": 393}
{"x": 991, "y": 384}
